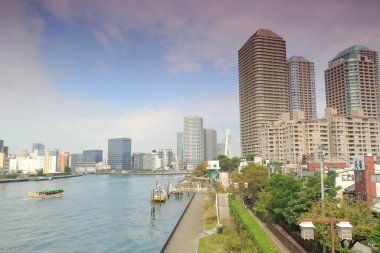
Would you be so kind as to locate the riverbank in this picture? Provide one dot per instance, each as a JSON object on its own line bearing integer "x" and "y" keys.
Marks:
{"x": 149, "y": 172}
{"x": 36, "y": 178}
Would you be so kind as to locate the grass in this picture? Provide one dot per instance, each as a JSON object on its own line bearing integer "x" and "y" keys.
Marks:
{"x": 209, "y": 214}
{"x": 226, "y": 240}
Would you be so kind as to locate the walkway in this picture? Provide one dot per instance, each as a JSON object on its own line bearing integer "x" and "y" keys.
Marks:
{"x": 224, "y": 209}
{"x": 185, "y": 238}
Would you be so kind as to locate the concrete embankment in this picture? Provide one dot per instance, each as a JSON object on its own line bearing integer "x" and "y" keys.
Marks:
{"x": 185, "y": 235}
{"x": 36, "y": 179}
{"x": 13, "y": 180}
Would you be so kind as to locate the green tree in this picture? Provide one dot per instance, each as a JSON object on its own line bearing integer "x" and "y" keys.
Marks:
{"x": 250, "y": 157}
{"x": 282, "y": 189}
{"x": 68, "y": 170}
{"x": 200, "y": 170}
{"x": 310, "y": 194}
{"x": 253, "y": 174}
{"x": 375, "y": 237}
{"x": 227, "y": 164}
{"x": 358, "y": 213}
{"x": 39, "y": 172}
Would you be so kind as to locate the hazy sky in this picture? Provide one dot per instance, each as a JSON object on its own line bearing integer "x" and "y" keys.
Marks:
{"x": 75, "y": 73}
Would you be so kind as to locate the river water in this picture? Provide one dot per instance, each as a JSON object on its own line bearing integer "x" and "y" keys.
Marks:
{"x": 105, "y": 213}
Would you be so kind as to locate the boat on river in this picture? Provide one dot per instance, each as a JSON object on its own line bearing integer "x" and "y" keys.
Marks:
{"x": 158, "y": 194}
{"x": 46, "y": 194}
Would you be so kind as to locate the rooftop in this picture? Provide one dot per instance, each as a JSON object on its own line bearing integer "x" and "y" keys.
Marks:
{"x": 266, "y": 33}
{"x": 350, "y": 50}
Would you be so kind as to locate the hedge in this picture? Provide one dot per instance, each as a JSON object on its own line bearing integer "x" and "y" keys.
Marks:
{"x": 251, "y": 229}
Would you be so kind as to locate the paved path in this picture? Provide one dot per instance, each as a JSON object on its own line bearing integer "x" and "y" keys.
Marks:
{"x": 185, "y": 238}
{"x": 224, "y": 209}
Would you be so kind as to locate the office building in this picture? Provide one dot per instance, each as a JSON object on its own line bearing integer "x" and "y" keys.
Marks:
{"x": 167, "y": 158}
{"x": 352, "y": 81}
{"x": 92, "y": 156}
{"x": 119, "y": 153}
{"x": 38, "y": 146}
{"x": 62, "y": 161}
{"x": 180, "y": 145}
{"x": 4, "y": 164}
{"x": 193, "y": 142}
{"x": 263, "y": 86}
{"x": 221, "y": 148}
{"x": 145, "y": 161}
{"x": 210, "y": 144}
{"x": 76, "y": 160}
{"x": 302, "y": 87}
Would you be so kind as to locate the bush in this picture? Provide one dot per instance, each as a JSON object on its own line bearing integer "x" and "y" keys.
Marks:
{"x": 251, "y": 230}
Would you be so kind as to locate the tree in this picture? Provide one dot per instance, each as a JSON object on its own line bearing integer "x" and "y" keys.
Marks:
{"x": 375, "y": 237}
{"x": 358, "y": 213}
{"x": 68, "y": 170}
{"x": 254, "y": 175}
{"x": 39, "y": 172}
{"x": 310, "y": 194}
{"x": 250, "y": 157}
{"x": 200, "y": 170}
{"x": 227, "y": 164}
{"x": 282, "y": 189}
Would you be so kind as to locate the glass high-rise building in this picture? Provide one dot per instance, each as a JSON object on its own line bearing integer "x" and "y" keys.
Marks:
{"x": 263, "y": 86}
{"x": 180, "y": 145}
{"x": 38, "y": 146}
{"x": 92, "y": 156}
{"x": 302, "y": 87}
{"x": 119, "y": 153}
{"x": 193, "y": 142}
{"x": 352, "y": 81}
{"x": 211, "y": 149}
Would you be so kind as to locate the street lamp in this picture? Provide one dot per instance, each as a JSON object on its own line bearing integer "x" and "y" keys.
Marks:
{"x": 344, "y": 229}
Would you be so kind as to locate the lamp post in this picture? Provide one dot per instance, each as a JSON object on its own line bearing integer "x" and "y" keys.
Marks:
{"x": 344, "y": 229}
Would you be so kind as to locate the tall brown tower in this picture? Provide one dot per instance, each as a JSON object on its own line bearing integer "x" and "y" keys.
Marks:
{"x": 352, "y": 81}
{"x": 263, "y": 86}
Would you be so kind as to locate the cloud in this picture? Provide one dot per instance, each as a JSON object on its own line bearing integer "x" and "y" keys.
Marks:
{"x": 37, "y": 112}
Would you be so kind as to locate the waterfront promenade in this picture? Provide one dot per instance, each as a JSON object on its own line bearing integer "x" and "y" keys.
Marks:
{"x": 185, "y": 238}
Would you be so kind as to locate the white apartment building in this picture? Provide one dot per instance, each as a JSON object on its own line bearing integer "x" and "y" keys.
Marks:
{"x": 39, "y": 159}
{"x": 343, "y": 137}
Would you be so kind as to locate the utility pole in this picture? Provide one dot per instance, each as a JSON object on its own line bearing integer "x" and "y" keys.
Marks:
{"x": 321, "y": 154}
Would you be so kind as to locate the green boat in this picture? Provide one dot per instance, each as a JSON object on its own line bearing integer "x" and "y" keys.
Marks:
{"x": 46, "y": 194}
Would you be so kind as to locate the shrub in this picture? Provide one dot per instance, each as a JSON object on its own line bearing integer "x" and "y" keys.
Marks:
{"x": 251, "y": 230}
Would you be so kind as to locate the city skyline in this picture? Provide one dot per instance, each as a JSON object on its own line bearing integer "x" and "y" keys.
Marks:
{"x": 75, "y": 74}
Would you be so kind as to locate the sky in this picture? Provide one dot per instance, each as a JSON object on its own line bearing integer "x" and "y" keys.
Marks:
{"x": 75, "y": 73}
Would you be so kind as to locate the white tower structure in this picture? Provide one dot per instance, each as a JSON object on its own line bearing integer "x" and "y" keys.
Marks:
{"x": 227, "y": 145}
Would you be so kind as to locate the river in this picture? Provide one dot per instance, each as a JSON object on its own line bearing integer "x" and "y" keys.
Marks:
{"x": 105, "y": 213}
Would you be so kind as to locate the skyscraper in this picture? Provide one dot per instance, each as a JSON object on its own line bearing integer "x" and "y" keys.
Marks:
{"x": 92, "y": 156}
{"x": 193, "y": 141}
{"x": 302, "y": 87}
{"x": 38, "y": 146}
{"x": 210, "y": 144}
{"x": 352, "y": 81}
{"x": 119, "y": 153}
{"x": 180, "y": 145}
{"x": 167, "y": 157}
{"x": 263, "y": 85}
